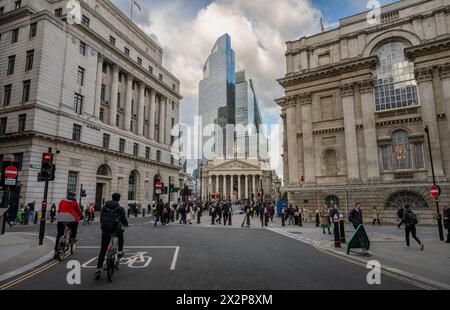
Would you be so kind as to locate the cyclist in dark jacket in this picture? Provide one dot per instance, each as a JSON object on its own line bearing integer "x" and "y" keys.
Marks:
{"x": 115, "y": 208}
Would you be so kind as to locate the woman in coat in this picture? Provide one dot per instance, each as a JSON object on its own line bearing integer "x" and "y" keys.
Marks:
{"x": 325, "y": 219}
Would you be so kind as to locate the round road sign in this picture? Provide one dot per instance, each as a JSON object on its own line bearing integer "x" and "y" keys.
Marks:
{"x": 11, "y": 172}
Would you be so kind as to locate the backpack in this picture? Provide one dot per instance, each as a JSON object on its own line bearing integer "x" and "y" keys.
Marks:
{"x": 110, "y": 220}
{"x": 400, "y": 213}
{"x": 414, "y": 220}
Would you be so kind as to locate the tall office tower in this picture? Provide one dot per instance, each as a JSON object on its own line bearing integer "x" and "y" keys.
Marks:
{"x": 217, "y": 99}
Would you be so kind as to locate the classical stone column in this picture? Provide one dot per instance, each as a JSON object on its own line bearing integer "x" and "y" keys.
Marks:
{"x": 239, "y": 187}
{"x": 370, "y": 133}
{"x": 291, "y": 119}
{"x": 217, "y": 183}
{"x": 444, "y": 73}
{"x": 254, "y": 184}
{"x": 114, "y": 94}
{"x": 246, "y": 186}
{"x": 168, "y": 132}
{"x": 128, "y": 105}
{"x": 151, "y": 125}
{"x": 162, "y": 120}
{"x": 424, "y": 79}
{"x": 308, "y": 141}
{"x": 224, "y": 191}
{"x": 140, "y": 114}
{"x": 351, "y": 145}
{"x": 98, "y": 86}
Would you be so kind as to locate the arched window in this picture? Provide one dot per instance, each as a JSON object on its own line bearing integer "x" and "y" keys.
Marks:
{"x": 332, "y": 200}
{"x": 403, "y": 198}
{"x": 394, "y": 81}
{"x": 401, "y": 150}
{"x": 330, "y": 163}
{"x": 102, "y": 171}
{"x": 132, "y": 186}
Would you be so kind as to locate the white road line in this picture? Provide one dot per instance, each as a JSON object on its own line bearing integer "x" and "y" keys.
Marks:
{"x": 175, "y": 257}
{"x": 133, "y": 247}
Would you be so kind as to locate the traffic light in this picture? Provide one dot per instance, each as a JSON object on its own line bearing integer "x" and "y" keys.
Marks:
{"x": 172, "y": 187}
{"x": 83, "y": 193}
{"x": 47, "y": 167}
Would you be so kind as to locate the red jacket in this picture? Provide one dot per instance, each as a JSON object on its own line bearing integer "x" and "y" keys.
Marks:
{"x": 71, "y": 207}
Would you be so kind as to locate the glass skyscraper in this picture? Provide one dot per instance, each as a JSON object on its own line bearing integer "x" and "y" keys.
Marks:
{"x": 217, "y": 95}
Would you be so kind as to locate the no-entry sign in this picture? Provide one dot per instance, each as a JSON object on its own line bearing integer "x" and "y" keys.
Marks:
{"x": 435, "y": 191}
{"x": 158, "y": 185}
{"x": 11, "y": 172}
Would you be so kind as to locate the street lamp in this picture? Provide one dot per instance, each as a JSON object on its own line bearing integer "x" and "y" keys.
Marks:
{"x": 436, "y": 199}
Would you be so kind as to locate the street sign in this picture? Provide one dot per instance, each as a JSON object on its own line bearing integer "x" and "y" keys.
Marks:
{"x": 11, "y": 172}
{"x": 158, "y": 192}
{"x": 10, "y": 182}
{"x": 435, "y": 191}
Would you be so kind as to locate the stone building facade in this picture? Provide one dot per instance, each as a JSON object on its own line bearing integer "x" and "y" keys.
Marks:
{"x": 357, "y": 100}
{"x": 95, "y": 91}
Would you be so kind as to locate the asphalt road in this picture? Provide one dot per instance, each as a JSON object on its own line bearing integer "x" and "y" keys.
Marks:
{"x": 179, "y": 257}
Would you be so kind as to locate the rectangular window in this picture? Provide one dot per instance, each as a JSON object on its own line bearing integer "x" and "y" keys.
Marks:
{"x": 118, "y": 100}
{"x": 80, "y": 77}
{"x": 384, "y": 158}
{"x": 76, "y": 133}
{"x": 136, "y": 149}
{"x": 150, "y": 69}
{"x": 420, "y": 163}
{"x": 122, "y": 145}
{"x": 78, "y": 103}
{"x": 112, "y": 40}
{"x": 172, "y": 160}
{"x": 18, "y": 4}
{"x": 117, "y": 120}
{"x": 139, "y": 61}
{"x": 11, "y": 65}
{"x": 22, "y": 122}
{"x": 103, "y": 93}
{"x": 2, "y": 9}
{"x": 26, "y": 91}
{"x": 158, "y": 155}
{"x": 33, "y": 30}
{"x": 126, "y": 51}
{"x": 3, "y": 122}
{"x": 7, "y": 95}
{"x": 15, "y": 36}
{"x": 160, "y": 77}
{"x": 72, "y": 182}
{"x": 102, "y": 113}
{"x": 29, "y": 61}
{"x": 18, "y": 158}
{"x": 147, "y": 153}
{"x": 85, "y": 21}
{"x": 106, "y": 139}
{"x": 58, "y": 12}
{"x": 83, "y": 48}
{"x": 174, "y": 88}
{"x": 105, "y": 68}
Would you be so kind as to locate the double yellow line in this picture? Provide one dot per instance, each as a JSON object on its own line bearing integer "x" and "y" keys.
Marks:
{"x": 28, "y": 275}
{"x": 387, "y": 273}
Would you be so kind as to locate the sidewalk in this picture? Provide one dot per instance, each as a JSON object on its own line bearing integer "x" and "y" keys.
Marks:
{"x": 20, "y": 252}
{"x": 431, "y": 266}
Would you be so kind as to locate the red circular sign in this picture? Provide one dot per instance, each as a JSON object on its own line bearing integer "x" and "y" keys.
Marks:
{"x": 158, "y": 185}
{"x": 11, "y": 172}
{"x": 435, "y": 191}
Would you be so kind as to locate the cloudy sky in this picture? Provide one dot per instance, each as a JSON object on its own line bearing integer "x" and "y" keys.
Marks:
{"x": 188, "y": 29}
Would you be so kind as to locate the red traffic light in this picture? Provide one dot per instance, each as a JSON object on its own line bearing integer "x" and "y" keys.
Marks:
{"x": 47, "y": 157}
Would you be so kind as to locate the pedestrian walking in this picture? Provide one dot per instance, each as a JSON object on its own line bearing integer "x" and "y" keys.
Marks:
{"x": 159, "y": 213}
{"x": 410, "y": 220}
{"x": 212, "y": 213}
{"x": 291, "y": 212}
{"x": 283, "y": 217}
{"x": 447, "y": 222}
{"x": 356, "y": 217}
{"x": 219, "y": 213}
{"x": 296, "y": 215}
{"x": 333, "y": 212}
{"x": 166, "y": 213}
{"x": 400, "y": 213}
{"x": 52, "y": 213}
{"x": 226, "y": 213}
{"x": 325, "y": 220}
{"x": 376, "y": 216}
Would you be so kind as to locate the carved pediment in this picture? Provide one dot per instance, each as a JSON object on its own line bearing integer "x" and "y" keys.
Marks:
{"x": 235, "y": 165}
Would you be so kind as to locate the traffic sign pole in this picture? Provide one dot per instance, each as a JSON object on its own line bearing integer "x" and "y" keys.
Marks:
{"x": 44, "y": 209}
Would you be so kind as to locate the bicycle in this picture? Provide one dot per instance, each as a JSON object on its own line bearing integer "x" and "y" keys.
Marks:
{"x": 112, "y": 257}
{"x": 66, "y": 244}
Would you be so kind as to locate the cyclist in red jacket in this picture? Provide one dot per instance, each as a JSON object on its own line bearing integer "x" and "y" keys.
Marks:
{"x": 69, "y": 213}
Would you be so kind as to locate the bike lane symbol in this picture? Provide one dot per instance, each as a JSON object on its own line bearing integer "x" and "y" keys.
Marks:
{"x": 132, "y": 260}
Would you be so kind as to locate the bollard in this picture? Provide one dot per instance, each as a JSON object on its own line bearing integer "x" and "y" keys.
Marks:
{"x": 143, "y": 212}
{"x": 337, "y": 238}
{"x": 300, "y": 222}
{"x": 342, "y": 228}
{"x": 283, "y": 219}
{"x": 317, "y": 218}
{"x": 229, "y": 219}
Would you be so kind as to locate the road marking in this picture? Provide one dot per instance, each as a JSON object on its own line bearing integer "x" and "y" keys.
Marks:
{"x": 389, "y": 271}
{"x": 28, "y": 275}
{"x": 175, "y": 258}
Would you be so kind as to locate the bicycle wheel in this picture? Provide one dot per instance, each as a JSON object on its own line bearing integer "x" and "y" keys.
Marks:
{"x": 110, "y": 265}
{"x": 72, "y": 248}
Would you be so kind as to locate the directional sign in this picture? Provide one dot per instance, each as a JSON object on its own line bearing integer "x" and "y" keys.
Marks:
{"x": 435, "y": 191}
{"x": 11, "y": 172}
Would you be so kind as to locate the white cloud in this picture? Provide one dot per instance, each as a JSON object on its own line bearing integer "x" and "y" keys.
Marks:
{"x": 258, "y": 30}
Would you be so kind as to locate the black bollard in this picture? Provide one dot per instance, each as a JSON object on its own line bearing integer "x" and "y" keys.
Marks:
{"x": 229, "y": 219}
{"x": 283, "y": 219}
{"x": 143, "y": 212}
{"x": 342, "y": 228}
{"x": 317, "y": 218}
{"x": 300, "y": 223}
{"x": 36, "y": 215}
{"x": 337, "y": 238}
